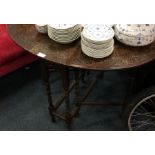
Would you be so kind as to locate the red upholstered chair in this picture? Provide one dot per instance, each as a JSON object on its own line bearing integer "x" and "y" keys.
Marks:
{"x": 12, "y": 56}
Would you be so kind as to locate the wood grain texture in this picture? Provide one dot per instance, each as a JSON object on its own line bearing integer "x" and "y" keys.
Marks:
{"x": 123, "y": 57}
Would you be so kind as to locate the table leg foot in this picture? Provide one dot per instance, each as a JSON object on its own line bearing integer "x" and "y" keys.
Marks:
{"x": 68, "y": 121}
{"x": 51, "y": 114}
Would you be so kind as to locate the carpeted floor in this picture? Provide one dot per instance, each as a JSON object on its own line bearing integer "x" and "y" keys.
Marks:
{"x": 24, "y": 106}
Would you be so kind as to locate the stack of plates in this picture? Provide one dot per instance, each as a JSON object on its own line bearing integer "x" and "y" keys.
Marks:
{"x": 42, "y": 28}
{"x": 135, "y": 34}
{"x": 64, "y": 33}
{"x": 110, "y": 25}
{"x": 97, "y": 40}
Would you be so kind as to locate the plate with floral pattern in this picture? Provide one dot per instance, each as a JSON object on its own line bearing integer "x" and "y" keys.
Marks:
{"x": 62, "y": 26}
{"x": 98, "y": 33}
{"x": 136, "y": 29}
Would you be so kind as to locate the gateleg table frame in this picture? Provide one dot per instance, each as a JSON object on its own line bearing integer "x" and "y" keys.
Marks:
{"x": 70, "y": 57}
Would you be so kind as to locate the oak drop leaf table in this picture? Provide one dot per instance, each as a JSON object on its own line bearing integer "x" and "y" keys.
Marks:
{"x": 70, "y": 56}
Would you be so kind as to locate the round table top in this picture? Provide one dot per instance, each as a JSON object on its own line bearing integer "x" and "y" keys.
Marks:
{"x": 123, "y": 57}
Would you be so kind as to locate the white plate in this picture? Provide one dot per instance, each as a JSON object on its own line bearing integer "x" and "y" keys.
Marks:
{"x": 101, "y": 53}
{"x": 98, "y": 33}
{"x": 97, "y": 46}
{"x": 42, "y": 28}
{"x": 136, "y": 29}
{"x": 63, "y": 39}
{"x": 134, "y": 40}
{"x": 69, "y": 33}
{"x": 62, "y": 26}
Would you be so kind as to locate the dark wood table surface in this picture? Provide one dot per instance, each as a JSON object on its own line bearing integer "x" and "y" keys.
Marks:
{"x": 123, "y": 57}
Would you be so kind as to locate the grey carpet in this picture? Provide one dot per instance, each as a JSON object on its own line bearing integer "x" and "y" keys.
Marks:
{"x": 24, "y": 106}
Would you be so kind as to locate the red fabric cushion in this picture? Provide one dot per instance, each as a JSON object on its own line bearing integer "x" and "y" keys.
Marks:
{"x": 8, "y": 49}
{"x": 17, "y": 63}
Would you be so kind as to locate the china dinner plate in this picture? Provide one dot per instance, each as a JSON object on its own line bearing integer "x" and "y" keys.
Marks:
{"x": 97, "y": 53}
{"x": 137, "y": 40}
{"x": 136, "y": 29}
{"x": 65, "y": 39}
{"x": 42, "y": 28}
{"x": 64, "y": 36}
{"x": 64, "y": 33}
{"x": 97, "y": 40}
{"x": 75, "y": 28}
{"x": 97, "y": 33}
{"x": 98, "y": 46}
{"x": 62, "y": 26}
{"x": 67, "y": 30}
{"x": 133, "y": 41}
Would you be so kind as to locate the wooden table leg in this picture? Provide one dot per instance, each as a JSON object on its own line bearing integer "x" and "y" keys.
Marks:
{"x": 45, "y": 76}
{"x": 66, "y": 84}
{"x": 77, "y": 89}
